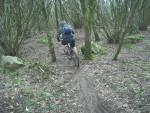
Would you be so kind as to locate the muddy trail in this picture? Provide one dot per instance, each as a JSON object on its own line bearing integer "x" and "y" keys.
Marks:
{"x": 75, "y": 78}
{"x": 89, "y": 99}
{"x": 93, "y": 83}
{"x": 98, "y": 86}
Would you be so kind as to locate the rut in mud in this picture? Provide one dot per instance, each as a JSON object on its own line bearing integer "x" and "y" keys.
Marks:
{"x": 88, "y": 97}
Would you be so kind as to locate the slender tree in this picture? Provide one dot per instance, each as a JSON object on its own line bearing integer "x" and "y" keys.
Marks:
{"x": 15, "y": 21}
{"x": 1, "y": 7}
{"x": 56, "y": 13}
{"x": 117, "y": 18}
{"x": 88, "y": 17}
{"x": 130, "y": 7}
{"x": 46, "y": 17}
{"x": 61, "y": 9}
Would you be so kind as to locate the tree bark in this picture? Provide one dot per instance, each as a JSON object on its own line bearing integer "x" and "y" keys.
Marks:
{"x": 50, "y": 42}
{"x": 51, "y": 48}
{"x": 61, "y": 10}
{"x": 121, "y": 37}
{"x": 56, "y": 14}
{"x": 96, "y": 36}
{"x": 88, "y": 51}
{"x": 88, "y": 17}
{"x": 1, "y": 7}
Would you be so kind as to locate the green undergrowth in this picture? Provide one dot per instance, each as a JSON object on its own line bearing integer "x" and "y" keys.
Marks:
{"x": 134, "y": 85}
{"x": 96, "y": 48}
{"x": 135, "y": 38}
{"x": 44, "y": 99}
{"x": 39, "y": 90}
{"x": 11, "y": 80}
{"x": 43, "y": 40}
{"x": 42, "y": 70}
{"x": 129, "y": 46}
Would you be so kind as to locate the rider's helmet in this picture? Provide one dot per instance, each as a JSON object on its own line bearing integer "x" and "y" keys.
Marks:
{"x": 67, "y": 30}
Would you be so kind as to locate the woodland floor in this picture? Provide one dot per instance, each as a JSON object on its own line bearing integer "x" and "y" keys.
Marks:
{"x": 98, "y": 86}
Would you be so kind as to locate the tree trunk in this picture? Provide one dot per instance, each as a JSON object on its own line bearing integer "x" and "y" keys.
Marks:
{"x": 1, "y": 7}
{"x": 61, "y": 10}
{"x": 50, "y": 42}
{"x": 39, "y": 25}
{"x": 51, "y": 48}
{"x": 121, "y": 37}
{"x": 88, "y": 17}
{"x": 96, "y": 36}
{"x": 56, "y": 14}
{"x": 87, "y": 50}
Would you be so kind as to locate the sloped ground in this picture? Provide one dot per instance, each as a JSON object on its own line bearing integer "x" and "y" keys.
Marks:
{"x": 105, "y": 86}
{"x": 99, "y": 86}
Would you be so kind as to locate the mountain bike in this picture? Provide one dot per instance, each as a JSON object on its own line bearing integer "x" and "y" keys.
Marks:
{"x": 72, "y": 55}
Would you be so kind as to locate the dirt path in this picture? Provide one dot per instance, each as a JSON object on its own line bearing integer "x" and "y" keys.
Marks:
{"x": 82, "y": 81}
{"x": 77, "y": 78}
{"x": 88, "y": 96}
{"x": 92, "y": 85}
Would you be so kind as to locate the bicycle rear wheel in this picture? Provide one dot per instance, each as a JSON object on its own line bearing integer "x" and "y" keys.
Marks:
{"x": 75, "y": 59}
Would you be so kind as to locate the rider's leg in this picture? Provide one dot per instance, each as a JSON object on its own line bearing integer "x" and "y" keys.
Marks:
{"x": 66, "y": 51}
{"x": 63, "y": 42}
{"x": 74, "y": 48}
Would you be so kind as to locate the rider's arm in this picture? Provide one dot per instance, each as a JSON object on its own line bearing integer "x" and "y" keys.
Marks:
{"x": 73, "y": 32}
{"x": 59, "y": 33}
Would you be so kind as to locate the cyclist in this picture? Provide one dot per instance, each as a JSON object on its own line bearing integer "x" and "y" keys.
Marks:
{"x": 66, "y": 35}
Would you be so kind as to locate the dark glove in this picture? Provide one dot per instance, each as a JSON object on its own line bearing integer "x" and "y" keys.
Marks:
{"x": 73, "y": 32}
{"x": 58, "y": 38}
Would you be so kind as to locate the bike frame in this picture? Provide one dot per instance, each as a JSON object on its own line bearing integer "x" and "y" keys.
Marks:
{"x": 73, "y": 55}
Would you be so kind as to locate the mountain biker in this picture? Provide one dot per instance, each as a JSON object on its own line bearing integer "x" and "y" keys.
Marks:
{"x": 66, "y": 34}
{"x": 64, "y": 30}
